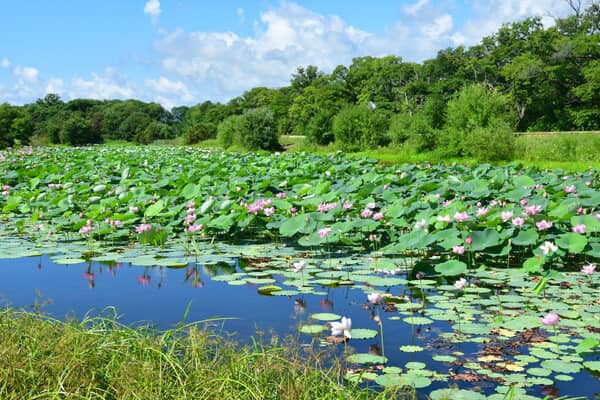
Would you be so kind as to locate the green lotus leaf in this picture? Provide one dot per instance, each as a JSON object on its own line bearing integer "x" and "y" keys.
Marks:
{"x": 365, "y": 359}
{"x": 327, "y": 317}
{"x": 451, "y": 268}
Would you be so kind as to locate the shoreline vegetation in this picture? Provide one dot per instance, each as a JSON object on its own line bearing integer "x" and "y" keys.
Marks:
{"x": 100, "y": 358}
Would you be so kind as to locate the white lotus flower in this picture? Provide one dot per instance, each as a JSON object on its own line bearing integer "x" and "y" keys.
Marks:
{"x": 342, "y": 328}
{"x": 548, "y": 247}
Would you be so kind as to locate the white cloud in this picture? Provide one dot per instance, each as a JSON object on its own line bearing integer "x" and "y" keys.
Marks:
{"x": 413, "y": 9}
{"x": 5, "y": 63}
{"x": 28, "y": 74}
{"x": 169, "y": 93}
{"x": 441, "y": 25}
{"x": 100, "y": 86}
{"x": 152, "y": 8}
{"x": 55, "y": 85}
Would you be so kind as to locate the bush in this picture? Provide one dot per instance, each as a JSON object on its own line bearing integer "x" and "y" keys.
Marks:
{"x": 476, "y": 110}
{"x": 319, "y": 129}
{"x": 415, "y": 130}
{"x": 228, "y": 132}
{"x": 77, "y": 131}
{"x": 359, "y": 127}
{"x": 258, "y": 130}
{"x": 196, "y": 133}
{"x": 492, "y": 143}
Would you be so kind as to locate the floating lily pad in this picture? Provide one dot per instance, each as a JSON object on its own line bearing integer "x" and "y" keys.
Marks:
{"x": 365, "y": 358}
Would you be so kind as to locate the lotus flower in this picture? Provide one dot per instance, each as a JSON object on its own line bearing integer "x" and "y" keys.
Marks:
{"x": 550, "y": 319}
{"x": 580, "y": 228}
{"x": 460, "y": 284}
{"x": 588, "y": 269}
{"x": 548, "y": 247}
{"x": 374, "y": 298}
{"x": 324, "y": 232}
{"x": 342, "y": 328}
{"x": 543, "y": 225}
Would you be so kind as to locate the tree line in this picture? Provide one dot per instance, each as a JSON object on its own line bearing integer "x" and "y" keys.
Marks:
{"x": 525, "y": 77}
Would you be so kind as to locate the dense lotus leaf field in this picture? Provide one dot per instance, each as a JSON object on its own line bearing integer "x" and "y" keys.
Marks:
{"x": 505, "y": 256}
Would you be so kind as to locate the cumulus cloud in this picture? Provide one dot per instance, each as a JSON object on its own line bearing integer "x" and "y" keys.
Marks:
{"x": 28, "y": 74}
{"x": 168, "y": 92}
{"x": 152, "y": 8}
{"x": 414, "y": 8}
{"x": 5, "y": 63}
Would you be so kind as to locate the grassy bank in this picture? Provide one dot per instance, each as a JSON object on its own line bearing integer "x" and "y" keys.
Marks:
{"x": 42, "y": 358}
{"x": 563, "y": 150}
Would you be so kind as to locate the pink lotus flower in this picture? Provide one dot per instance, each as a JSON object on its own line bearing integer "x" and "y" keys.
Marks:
{"x": 523, "y": 202}
{"x": 374, "y": 298}
{"x": 550, "y": 319}
{"x": 533, "y": 210}
{"x": 348, "y": 206}
{"x": 293, "y": 210}
{"x": 460, "y": 284}
{"x": 371, "y": 205}
{"x": 142, "y": 228}
{"x": 190, "y": 204}
{"x": 461, "y": 216}
{"x": 598, "y": 217}
{"x": 86, "y": 229}
{"x": 189, "y": 219}
{"x": 588, "y": 269}
{"x": 133, "y": 209}
{"x": 482, "y": 211}
{"x": 469, "y": 240}
{"x": 378, "y": 216}
{"x": 518, "y": 221}
{"x": 281, "y": 195}
{"x": 324, "y": 232}
{"x": 269, "y": 211}
{"x": 570, "y": 189}
{"x": 580, "y": 228}
{"x": 366, "y": 213}
{"x": 195, "y": 228}
{"x": 543, "y": 225}
{"x": 458, "y": 250}
{"x": 299, "y": 266}
{"x": 143, "y": 280}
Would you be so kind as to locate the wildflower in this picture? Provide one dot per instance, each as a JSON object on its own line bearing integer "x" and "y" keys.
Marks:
{"x": 299, "y": 266}
{"x": 366, "y": 213}
{"x": 461, "y": 216}
{"x": 588, "y": 269}
{"x": 580, "y": 228}
{"x": 458, "y": 250}
{"x": 374, "y": 298}
{"x": 342, "y": 328}
{"x": 195, "y": 228}
{"x": 378, "y": 216}
{"x": 460, "y": 284}
{"x": 543, "y": 225}
{"x": 548, "y": 247}
{"x": 518, "y": 221}
{"x": 550, "y": 319}
{"x": 324, "y": 232}
{"x": 142, "y": 228}
{"x": 422, "y": 224}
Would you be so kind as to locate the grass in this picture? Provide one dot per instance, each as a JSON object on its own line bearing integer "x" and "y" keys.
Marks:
{"x": 99, "y": 358}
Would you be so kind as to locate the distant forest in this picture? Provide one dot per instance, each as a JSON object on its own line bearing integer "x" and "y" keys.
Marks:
{"x": 530, "y": 77}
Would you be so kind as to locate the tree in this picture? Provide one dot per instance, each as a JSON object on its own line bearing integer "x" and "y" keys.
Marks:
{"x": 359, "y": 127}
{"x": 258, "y": 130}
{"x": 76, "y": 131}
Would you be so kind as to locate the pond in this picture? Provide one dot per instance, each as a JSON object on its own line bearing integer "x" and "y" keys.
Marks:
{"x": 481, "y": 337}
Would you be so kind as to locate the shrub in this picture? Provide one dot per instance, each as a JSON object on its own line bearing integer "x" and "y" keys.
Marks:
{"x": 359, "y": 127}
{"x": 228, "y": 132}
{"x": 258, "y": 130}
{"x": 77, "y": 131}
{"x": 196, "y": 133}
{"x": 415, "y": 129}
{"x": 476, "y": 110}
{"x": 492, "y": 143}
{"x": 319, "y": 129}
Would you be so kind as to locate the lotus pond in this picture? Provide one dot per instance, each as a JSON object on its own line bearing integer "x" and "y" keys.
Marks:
{"x": 459, "y": 281}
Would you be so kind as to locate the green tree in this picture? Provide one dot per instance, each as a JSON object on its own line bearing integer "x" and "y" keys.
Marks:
{"x": 360, "y": 127}
{"x": 258, "y": 130}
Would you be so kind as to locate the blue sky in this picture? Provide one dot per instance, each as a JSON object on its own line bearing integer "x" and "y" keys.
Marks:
{"x": 186, "y": 51}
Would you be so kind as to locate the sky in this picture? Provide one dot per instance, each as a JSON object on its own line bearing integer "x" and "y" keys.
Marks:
{"x": 182, "y": 52}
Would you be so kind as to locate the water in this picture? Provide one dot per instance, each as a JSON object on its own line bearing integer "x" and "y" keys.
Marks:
{"x": 160, "y": 296}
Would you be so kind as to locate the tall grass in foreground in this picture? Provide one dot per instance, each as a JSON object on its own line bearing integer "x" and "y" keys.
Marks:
{"x": 99, "y": 358}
